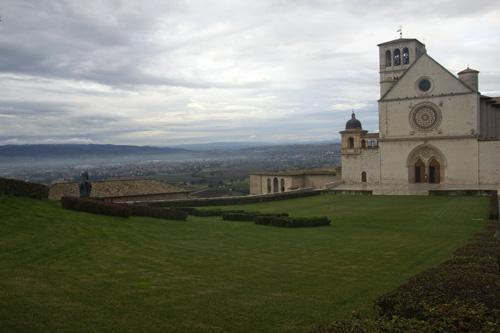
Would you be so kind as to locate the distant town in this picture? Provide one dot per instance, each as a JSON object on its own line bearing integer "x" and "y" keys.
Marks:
{"x": 221, "y": 167}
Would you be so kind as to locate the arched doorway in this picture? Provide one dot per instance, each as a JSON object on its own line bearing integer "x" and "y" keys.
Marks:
{"x": 275, "y": 185}
{"x": 282, "y": 185}
{"x": 426, "y": 164}
{"x": 434, "y": 171}
{"x": 363, "y": 177}
{"x": 419, "y": 171}
{"x": 269, "y": 189}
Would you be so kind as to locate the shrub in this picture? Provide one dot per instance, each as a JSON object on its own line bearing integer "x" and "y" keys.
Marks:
{"x": 273, "y": 214}
{"x": 95, "y": 206}
{"x": 357, "y": 325}
{"x": 292, "y": 222}
{"x": 21, "y": 188}
{"x": 69, "y": 202}
{"x": 189, "y": 210}
{"x": 440, "y": 285}
{"x": 239, "y": 216}
{"x": 207, "y": 212}
{"x": 247, "y": 216}
{"x": 160, "y": 213}
{"x": 474, "y": 264}
{"x": 459, "y": 316}
{"x": 482, "y": 249}
{"x": 494, "y": 206}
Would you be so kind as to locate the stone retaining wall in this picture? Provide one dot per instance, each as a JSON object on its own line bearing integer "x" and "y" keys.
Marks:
{"x": 114, "y": 188}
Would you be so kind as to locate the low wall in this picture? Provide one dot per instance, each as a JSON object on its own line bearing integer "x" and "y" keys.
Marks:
{"x": 350, "y": 192}
{"x": 148, "y": 197}
{"x": 114, "y": 188}
{"x": 461, "y": 193}
{"x": 235, "y": 200}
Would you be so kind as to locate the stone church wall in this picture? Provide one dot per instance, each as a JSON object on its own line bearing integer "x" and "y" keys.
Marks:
{"x": 489, "y": 157}
{"x": 458, "y": 117}
{"x": 461, "y": 156}
{"x": 367, "y": 161}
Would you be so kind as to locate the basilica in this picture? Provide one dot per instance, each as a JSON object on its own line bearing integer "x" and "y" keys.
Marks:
{"x": 434, "y": 127}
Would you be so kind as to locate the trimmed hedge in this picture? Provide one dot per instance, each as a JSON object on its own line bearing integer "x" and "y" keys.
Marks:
{"x": 357, "y": 325}
{"x": 159, "y": 213}
{"x": 248, "y": 216}
{"x": 459, "y": 316}
{"x": 436, "y": 286}
{"x": 478, "y": 250}
{"x": 21, "y": 188}
{"x": 207, "y": 212}
{"x": 480, "y": 265}
{"x": 244, "y": 216}
{"x": 292, "y": 222}
{"x": 95, "y": 206}
{"x": 494, "y": 206}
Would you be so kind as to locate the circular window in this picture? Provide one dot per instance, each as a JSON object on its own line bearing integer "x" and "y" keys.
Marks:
{"x": 424, "y": 85}
{"x": 425, "y": 117}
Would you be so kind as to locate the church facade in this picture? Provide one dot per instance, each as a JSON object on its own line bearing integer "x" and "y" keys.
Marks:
{"x": 434, "y": 127}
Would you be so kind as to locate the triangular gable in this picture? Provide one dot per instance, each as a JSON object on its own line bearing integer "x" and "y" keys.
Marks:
{"x": 443, "y": 82}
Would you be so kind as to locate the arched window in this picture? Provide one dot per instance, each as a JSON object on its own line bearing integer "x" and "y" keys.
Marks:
{"x": 397, "y": 57}
{"x": 388, "y": 58}
{"x": 282, "y": 185}
{"x": 350, "y": 143}
{"x": 406, "y": 56}
{"x": 269, "y": 185}
{"x": 275, "y": 185}
{"x": 363, "y": 177}
{"x": 363, "y": 143}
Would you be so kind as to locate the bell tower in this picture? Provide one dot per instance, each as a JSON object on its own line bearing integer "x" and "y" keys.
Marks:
{"x": 352, "y": 138}
{"x": 395, "y": 57}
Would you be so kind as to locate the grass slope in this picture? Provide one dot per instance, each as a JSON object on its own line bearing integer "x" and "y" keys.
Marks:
{"x": 70, "y": 271}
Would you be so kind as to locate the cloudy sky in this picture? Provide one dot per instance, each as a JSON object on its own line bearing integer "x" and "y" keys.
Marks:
{"x": 172, "y": 72}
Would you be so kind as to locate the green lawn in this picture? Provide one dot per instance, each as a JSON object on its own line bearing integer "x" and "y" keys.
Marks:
{"x": 69, "y": 271}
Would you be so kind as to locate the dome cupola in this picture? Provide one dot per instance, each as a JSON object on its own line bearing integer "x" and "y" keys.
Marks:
{"x": 353, "y": 123}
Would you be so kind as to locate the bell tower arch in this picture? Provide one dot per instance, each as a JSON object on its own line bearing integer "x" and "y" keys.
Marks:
{"x": 395, "y": 57}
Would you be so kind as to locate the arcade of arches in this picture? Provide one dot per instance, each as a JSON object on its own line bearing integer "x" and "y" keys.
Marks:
{"x": 275, "y": 185}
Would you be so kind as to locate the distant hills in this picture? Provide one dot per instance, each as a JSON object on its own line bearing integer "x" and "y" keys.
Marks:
{"x": 60, "y": 150}
{"x": 245, "y": 145}
{"x": 222, "y": 145}
{"x": 194, "y": 150}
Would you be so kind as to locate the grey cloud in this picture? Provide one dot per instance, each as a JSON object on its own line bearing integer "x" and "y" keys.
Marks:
{"x": 205, "y": 70}
{"x": 32, "y": 108}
